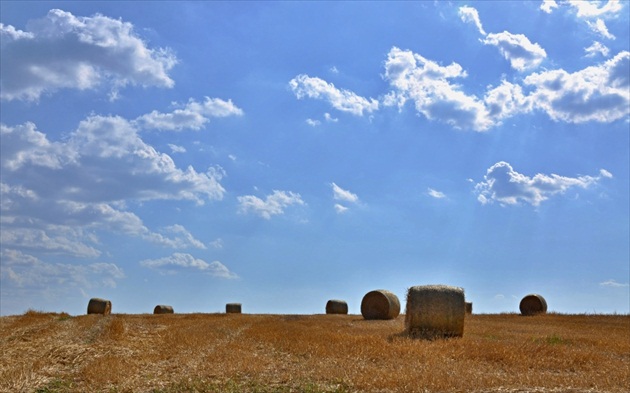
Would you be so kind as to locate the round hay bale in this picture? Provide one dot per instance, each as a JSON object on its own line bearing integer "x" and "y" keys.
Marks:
{"x": 334, "y": 306}
{"x": 533, "y": 304}
{"x": 380, "y": 304}
{"x": 162, "y": 309}
{"x": 435, "y": 311}
{"x": 468, "y": 307}
{"x": 233, "y": 308}
{"x": 99, "y": 306}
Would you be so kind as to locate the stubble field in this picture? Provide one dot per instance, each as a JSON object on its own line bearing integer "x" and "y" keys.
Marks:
{"x": 50, "y": 352}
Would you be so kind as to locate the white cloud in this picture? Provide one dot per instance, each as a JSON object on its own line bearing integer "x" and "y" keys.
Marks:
{"x": 176, "y": 148}
{"x": 56, "y": 195}
{"x": 435, "y": 194}
{"x": 340, "y": 209}
{"x": 426, "y": 83}
{"x": 329, "y": 118}
{"x": 340, "y": 194}
{"x": 506, "y": 100}
{"x": 597, "y": 93}
{"x": 596, "y": 48}
{"x": 27, "y": 271}
{"x": 470, "y": 15}
{"x": 599, "y": 27}
{"x": 194, "y": 115}
{"x": 343, "y": 100}
{"x": 313, "y": 123}
{"x": 613, "y": 284}
{"x": 508, "y": 187}
{"x": 187, "y": 261}
{"x": 272, "y": 205}
{"x": 589, "y": 9}
{"x": 66, "y": 51}
{"x": 517, "y": 49}
{"x": 548, "y": 5}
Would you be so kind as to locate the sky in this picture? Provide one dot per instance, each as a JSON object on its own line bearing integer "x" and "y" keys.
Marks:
{"x": 281, "y": 154}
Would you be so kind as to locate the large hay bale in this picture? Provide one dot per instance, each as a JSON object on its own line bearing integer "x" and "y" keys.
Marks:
{"x": 335, "y": 306}
{"x": 99, "y": 306}
{"x": 233, "y": 308}
{"x": 380, "y": 304}
{"x": 468, "y": 307}
{"x": 533, "y": 304}
{"x": 162, "y": 309}
{"x": 435, "y": 311}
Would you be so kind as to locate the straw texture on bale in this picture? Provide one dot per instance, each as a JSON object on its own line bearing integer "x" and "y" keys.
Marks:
{"x": 335, "y": 306}
{"x": 162, "y": 309}
{"x": 468, "y": 307}
{"x": 99, "y": 306}
{"x": 233, "y": 308}
{"x": 533, "y": 304}
{"x": 380, "y": 304}
{"x": 435, "y": 311}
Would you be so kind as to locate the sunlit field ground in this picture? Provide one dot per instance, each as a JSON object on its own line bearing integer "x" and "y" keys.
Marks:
{"x": 47, "y": 352}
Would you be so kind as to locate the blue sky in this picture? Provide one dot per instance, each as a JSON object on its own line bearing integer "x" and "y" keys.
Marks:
{"x": 280, "y": 154}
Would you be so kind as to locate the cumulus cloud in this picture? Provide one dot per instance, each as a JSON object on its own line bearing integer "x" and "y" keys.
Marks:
{"x": 597, "y": 93}
{"x": 56, "y": 195}
{"x": 548, "y": 5}
{"x": 313, "y": 123}
{"x": 517, "y": 49}
{"x": 427, "y": 84}
{"x": 62, "y": 50}
{"x": 342, "y": 100}
{"x": 589, "y": 9}
{"x": 178, "y": 261}
{"x": 194, "y": 115}
{"x": 27, "y": 271}
{"x": 470, "y": 15}
{"x": 272, "y": 205}
{"x": 508, "y": 187}
{"x": 596, "y": 48}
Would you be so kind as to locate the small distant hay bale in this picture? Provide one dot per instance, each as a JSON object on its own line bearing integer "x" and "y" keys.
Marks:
{"x": 335, "y": 306}
{"x": 163, "y": 309}
{"x": 533, "y": 304}
{"x": 380, "y": 304}
{"x": 233, "y": 308}
{"x": 435, "y": 311}
{"x": 99, "y": 306}
{"x": 468, "y": 307}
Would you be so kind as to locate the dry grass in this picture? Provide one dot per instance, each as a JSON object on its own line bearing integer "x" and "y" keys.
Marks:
{"x": 44, "y": 352}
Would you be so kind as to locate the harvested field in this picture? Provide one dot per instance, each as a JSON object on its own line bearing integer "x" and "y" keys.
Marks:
{"x": 47, "y": 352}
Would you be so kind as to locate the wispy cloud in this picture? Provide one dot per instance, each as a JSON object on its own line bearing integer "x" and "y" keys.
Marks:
{"x": 178, "y": 261}
{"x": 596, "y": 48}
{"x": 435, "y": 194}
{"x": 470, "y": 15}
{"x": 273, "y": 204}
{"x": 508, "y": 187}
{"x": 344, "y": 196}
{"x": 24, "y": 270}
{"x": 62, "y": 51}
{"x": 613, "y": 284}
{"x": 340, "y": 99}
